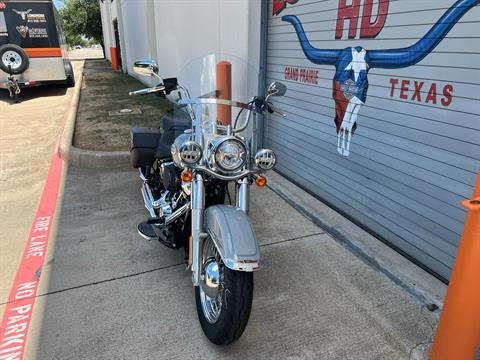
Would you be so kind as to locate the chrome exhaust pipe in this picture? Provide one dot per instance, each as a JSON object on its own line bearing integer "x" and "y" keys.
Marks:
{"x": 151, "y": 204}
{"x": 177, "y": 214}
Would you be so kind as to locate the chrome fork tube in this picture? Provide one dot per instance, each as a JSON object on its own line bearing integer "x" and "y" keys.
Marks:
{"x": 198, "y": 207}
{"x": 243, "y": 197}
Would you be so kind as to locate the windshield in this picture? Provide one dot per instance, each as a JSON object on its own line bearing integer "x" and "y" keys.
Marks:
{"x": 205, "y": 74}
{"x": 220, "y": 76}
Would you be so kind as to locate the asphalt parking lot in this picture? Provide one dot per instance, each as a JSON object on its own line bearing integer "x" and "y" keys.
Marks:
{"x": 105, "y": 293}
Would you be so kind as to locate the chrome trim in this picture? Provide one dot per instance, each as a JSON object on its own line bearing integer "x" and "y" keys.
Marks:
{"x": 276, "y": 88}
{"x": 177, "y": 214}
{"x": 211, "y": 290}
{"x": 247, "y": 266}
{"x": 144, "y": 179}
{"x": 216, "y": 144}
{"x": 236, "y": 264}
{"x": 265, "y": 159}
{"x": 231, "y": 177}
{"x": 198, "y": 206}
{"x": 145, "y": 67}
{"x": 144, "y": 236}
{"x": 160, "y": 202}
{"x": 234, "y": 237}
{"x": 243, "y": 199}
{"x": 190, "y": 152}
{"x": 238, "y": 104}
{"x": 147, "y": 91}
{"x": 210, "y": 277}
{"x": 147, "y": 199}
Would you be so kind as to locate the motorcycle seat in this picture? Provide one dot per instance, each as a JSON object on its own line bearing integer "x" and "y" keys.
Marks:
{"x": 170, "y": 129}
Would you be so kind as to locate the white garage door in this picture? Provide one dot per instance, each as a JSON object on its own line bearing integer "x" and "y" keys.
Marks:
{"x": 383, "y": 113}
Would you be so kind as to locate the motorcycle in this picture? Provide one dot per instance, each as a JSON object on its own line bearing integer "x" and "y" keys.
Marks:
{"x": 186, "y": 166}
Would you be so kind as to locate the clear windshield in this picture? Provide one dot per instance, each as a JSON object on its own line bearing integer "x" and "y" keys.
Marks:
{"x": 220, "y": 76}
{"x": 204, "y": 75}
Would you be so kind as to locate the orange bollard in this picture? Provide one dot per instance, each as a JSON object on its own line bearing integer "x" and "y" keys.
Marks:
{"x": 476, "y": 189}
{"x": 224, "y": 87}
{"x": 458, "y": 331}
{"x": 113, "y": 56}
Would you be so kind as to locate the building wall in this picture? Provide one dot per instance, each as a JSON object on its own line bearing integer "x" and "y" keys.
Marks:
{"x": 135, "y": 32}
{"x": 175, "y": 32}
{"x": 189, "y": 29}
{"x": 106, "y": 27}
{"x": 415, "y": 152}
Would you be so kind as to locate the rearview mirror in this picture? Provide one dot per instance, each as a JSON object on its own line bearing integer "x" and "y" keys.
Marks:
{"x": 276, "y": 88}
{"x": 146, "y": 67}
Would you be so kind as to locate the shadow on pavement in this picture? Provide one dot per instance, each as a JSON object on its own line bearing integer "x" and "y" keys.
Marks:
{"x": 109, "y": 294}
{"x": 32, "y": 93}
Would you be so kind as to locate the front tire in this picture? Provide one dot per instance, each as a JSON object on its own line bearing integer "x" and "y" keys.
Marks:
{"x": 224, "y": 317}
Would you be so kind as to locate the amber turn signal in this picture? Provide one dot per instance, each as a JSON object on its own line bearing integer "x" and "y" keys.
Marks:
{"x": 261, "y": 181}
{"x": 186, "y": 176}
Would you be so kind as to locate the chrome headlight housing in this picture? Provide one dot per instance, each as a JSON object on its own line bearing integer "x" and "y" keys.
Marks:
{"x": 190, "y": 152}
{"x": 185, "y": 152}
{"x": 229, "y": 154}
{"x": 265, "y": 159}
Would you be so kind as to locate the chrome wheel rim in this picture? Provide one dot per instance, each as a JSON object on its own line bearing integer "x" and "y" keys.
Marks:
{"x": 12, "y": 58}
{"x": 211, "y": 306}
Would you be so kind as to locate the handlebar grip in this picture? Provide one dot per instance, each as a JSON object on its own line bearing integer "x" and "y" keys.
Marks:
{"x": 281, "y": 113}
{"x": 147, "y": 91}
{"x": 271, "y": 109}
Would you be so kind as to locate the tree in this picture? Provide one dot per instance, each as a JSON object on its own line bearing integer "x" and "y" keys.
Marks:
{"x": 82, "y": 19}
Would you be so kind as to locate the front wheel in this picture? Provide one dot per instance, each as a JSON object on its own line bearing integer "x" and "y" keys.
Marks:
{"x": 224, "y": 298}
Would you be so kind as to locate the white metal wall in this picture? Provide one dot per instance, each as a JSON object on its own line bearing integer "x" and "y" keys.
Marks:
{"x": 176, "y": 32}
{"x": 189, "y": 29}
{"x": 415, "y": 154}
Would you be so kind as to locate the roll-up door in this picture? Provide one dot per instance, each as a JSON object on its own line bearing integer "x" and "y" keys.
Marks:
{"x": 383, "y": 113}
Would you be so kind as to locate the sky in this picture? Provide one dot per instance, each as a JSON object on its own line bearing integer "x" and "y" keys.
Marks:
{"x": 58, "y": 4}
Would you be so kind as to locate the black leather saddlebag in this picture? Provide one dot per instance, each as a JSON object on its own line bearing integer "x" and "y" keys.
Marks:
{"x": 143, "y": 146}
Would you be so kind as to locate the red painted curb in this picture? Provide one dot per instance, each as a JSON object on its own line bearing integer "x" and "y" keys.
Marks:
{"x": 18, "y": 312}
{"x": 19, "y": 308}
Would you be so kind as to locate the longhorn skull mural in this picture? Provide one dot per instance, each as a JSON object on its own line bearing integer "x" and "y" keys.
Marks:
{"x": 350, "y": 84}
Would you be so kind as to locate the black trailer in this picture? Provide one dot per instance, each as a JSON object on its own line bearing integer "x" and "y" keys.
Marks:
{"x": 33, "y": 51}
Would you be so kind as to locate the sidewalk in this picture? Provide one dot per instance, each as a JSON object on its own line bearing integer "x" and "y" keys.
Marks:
{"x": 109, "y": 294}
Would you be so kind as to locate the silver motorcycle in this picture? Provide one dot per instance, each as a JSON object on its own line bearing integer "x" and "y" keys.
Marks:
{"x": 201, "y": 154}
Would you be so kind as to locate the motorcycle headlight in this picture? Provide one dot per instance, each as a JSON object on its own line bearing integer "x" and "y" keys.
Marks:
{"x": 230, "y": 155}
{"x": 190, "y": 152}
{"x": 265, "y": 159}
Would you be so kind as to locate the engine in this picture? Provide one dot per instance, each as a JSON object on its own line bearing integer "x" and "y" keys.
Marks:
{"x": 170, "y": 175}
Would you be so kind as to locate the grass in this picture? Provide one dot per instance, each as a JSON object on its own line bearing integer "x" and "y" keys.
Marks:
{"x": 104, "y": 90}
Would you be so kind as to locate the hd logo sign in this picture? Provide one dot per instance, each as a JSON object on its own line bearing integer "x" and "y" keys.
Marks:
{"x": 352, "y": 64}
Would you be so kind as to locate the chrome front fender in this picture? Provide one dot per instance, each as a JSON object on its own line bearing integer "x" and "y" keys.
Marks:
{"x": 233, "y": 234}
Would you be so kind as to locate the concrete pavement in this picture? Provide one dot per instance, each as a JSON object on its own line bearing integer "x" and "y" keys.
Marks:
{"x": 29, "y": 132}
{"x": 108, "y": 294}
{"x": 105, "y": 293}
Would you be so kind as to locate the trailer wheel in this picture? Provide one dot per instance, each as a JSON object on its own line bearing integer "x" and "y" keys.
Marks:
{"x": 70, "y": 82}
{"x": 13, "y": 57}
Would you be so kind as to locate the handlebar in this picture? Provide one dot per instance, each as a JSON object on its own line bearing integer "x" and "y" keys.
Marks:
{"x": 278, "y": 112}
{"x": 152, "y": 90}
{"x": 271, "y": 109}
